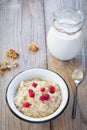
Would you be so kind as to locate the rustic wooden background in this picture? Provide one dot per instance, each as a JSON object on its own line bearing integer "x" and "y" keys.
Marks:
{"x": 24, "y": 21}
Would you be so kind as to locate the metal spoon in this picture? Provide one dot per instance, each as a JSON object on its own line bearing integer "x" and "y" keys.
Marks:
{"x": 77, "y": 77}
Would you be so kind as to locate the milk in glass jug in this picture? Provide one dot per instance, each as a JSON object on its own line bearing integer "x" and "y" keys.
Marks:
{"x": 65, "y": 38}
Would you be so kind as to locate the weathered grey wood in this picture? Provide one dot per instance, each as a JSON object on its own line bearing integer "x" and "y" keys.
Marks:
{"x": 20, "y": 24}
{"x": 24, "y": 21}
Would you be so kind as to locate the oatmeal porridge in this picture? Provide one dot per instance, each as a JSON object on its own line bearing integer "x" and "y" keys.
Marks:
{"x": 37, "y": 98}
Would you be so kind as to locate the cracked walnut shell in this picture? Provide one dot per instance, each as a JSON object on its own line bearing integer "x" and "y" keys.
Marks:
{"x": 33, "y": 47}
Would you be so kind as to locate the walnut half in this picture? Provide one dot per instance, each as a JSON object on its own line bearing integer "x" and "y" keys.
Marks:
{"x": 33, "y": 47}
{"x": 12, "y": 53}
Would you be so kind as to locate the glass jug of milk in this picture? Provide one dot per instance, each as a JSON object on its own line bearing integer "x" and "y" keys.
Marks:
{"x": 65, "y": 38}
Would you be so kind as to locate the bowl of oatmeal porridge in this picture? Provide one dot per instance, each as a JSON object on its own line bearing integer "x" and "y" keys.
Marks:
{"x": 37, "y": 95}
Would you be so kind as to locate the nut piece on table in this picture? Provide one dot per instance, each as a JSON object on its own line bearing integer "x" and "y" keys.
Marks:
{"x": 33, "y": 46}
{"x": 15, "y": 64}
{"x": 5, "y": 67}
{"x": 5, "y": 62}
{"x": 8, "y": 67}
{"x": 12, "y": 53}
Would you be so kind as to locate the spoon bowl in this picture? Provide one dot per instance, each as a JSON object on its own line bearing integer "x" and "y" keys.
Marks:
{"x": 77, "y": 76}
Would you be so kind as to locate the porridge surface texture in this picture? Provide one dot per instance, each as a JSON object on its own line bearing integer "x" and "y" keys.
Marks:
{"x": 37, "y": 98}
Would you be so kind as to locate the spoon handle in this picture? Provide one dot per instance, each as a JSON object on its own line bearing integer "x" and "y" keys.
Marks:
{"x": 74, "y": 103}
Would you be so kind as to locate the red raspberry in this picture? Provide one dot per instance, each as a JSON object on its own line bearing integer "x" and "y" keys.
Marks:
{"x": 42, "y": 98}
{"x": 46, "y": 96}
{"x": 30, "y": 91}
{"x": 34, "y": 84}
{"x": 52, "y": 89}
{"x": 26, "y": 104}
{"x": 32, "y": 94}
{"x": 42, "y": 89}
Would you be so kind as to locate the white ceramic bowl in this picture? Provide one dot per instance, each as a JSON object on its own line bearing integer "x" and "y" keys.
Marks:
{"x": 37, "y": 73}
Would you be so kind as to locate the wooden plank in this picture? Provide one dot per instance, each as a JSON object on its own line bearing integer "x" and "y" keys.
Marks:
{"x": 20, "y": 24}
{"x": 9, "y": 1}
{"x": 65, "y": 122}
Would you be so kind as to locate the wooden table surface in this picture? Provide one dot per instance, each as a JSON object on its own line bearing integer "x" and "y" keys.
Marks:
{"x": 24, "y": 21}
